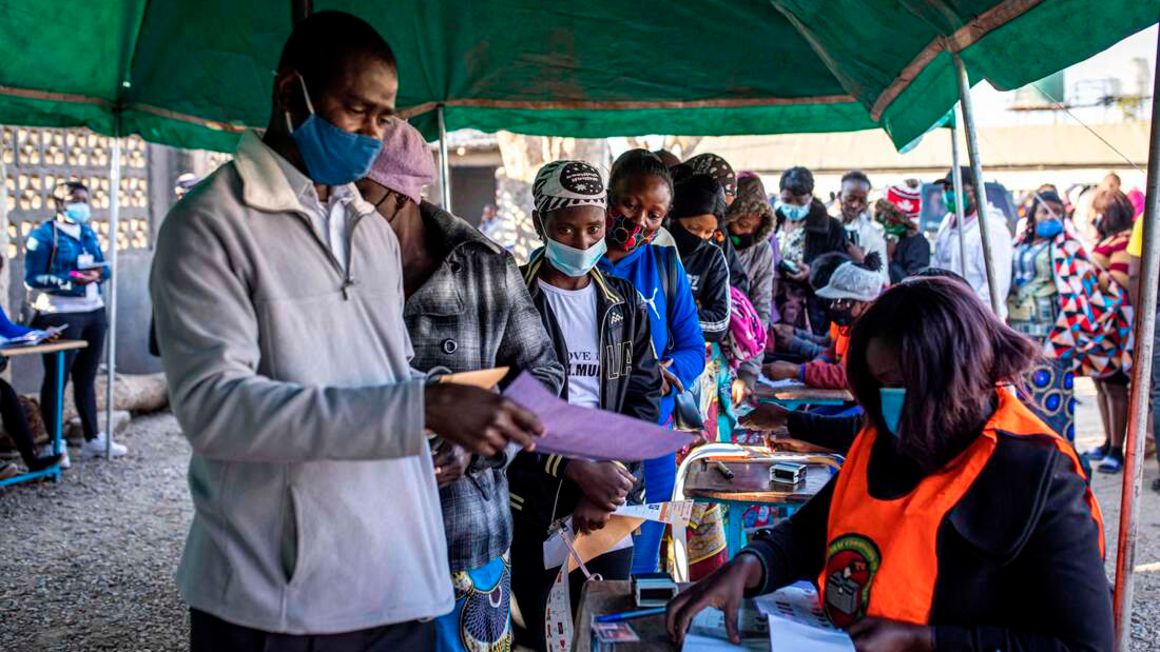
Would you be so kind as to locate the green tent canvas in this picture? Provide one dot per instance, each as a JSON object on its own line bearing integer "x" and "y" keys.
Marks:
{"x": 194, "y": 74}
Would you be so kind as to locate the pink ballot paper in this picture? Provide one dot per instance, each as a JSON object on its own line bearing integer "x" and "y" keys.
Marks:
{"x": 593, "y": 434}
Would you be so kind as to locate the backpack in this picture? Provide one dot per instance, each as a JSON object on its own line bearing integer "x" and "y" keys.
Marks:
{"x": 746, "y": 338}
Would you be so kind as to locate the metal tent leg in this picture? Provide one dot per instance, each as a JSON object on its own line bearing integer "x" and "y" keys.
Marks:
{"x": 444, "y": 162}
{"x": 1141, "y": 379}
{"x": 111, "y": 304}
{"x": 957, "y": 179}
{"x": 980, "y": 184}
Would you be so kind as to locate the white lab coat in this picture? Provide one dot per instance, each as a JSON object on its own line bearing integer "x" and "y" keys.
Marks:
{"x": 946, "y": 255}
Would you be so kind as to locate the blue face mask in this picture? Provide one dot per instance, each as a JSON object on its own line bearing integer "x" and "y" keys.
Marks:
{"x": 572, "y": 261}
{"x": 950, "y": 201}
{"x": 892, "y": 399}
{"x": 1048, "y": 228}
{"x": 793, "y": 212}
{"x": 78, "y": 212}
{"x": 333, "y": 156}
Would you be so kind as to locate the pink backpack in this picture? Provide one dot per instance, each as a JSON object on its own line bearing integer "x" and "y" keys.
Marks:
{"x": 746, "y": 337}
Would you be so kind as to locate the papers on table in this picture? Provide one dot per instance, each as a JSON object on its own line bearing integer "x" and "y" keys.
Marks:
{"x": 707, "y": 632}
{"x": 779, "y": 384}
{"x": 787, "y": 620}
{"x": 592, "y": 434}
{"x": 32, "y": 338}
{"x": 797, "y": 624}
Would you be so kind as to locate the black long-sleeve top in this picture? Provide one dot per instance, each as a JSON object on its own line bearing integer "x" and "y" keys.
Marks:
{"x": 1019, "y": 563}
{"x": 911, "y": 255}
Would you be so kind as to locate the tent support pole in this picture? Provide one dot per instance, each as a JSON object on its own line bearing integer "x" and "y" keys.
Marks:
{"x": 114, "y": 226}
{"x": 444, "y": 162}
{"x": 980, "y": 184}
{"x": 1141, "y": 377}
{"x": 300, "y": 10}
{"x": 957, "y": 183}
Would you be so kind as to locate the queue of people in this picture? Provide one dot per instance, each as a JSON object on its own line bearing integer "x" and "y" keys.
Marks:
{"x": 345, "y": 499}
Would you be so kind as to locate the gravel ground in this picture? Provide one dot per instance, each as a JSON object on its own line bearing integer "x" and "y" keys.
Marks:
{"x": 88, "y": 564}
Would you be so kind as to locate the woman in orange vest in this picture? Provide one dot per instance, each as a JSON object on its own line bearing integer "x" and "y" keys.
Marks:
{"x": 959, "y": 521}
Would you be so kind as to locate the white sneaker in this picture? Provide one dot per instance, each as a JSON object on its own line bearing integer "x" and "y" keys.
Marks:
{"x": 96, "y": 448}
{"x": 65, "y": 462}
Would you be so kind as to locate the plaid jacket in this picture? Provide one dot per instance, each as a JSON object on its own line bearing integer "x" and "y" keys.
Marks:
{"x": 475, "y": 313}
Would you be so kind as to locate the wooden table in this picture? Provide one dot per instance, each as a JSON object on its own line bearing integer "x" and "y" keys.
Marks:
{"x": 751, "y": 486}
{"x": 600, "y": 598}
{"x": 59, "y": 348}
{"x": 792, "y": 398}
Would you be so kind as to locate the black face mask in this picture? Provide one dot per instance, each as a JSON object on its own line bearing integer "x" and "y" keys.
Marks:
{"x": 743, "y": 241}
{"x": 841, "y": 317}
{"x": 686, "y": 242}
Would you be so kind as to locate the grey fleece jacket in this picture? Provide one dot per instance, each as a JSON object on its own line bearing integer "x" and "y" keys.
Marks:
{"x": 316, "y": 509}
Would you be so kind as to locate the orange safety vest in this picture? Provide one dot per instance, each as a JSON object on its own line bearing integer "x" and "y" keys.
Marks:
{"x": 841, "y": 338}
{"x": 882, "y": 555}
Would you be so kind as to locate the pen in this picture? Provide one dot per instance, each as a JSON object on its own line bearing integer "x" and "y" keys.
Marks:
{"x": 723, "y": 470}
{"x": 630, "y": 615}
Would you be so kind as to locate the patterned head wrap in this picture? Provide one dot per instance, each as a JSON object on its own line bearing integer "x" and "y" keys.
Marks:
{"x": 563, "y": 184}
{"x": 716, "y": 167}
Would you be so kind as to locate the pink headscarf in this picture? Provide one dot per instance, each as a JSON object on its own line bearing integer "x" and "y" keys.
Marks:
{"x": 405, "y": 164}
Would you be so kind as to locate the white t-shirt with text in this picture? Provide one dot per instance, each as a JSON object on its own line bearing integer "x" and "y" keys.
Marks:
{"x": 575, "y": 312}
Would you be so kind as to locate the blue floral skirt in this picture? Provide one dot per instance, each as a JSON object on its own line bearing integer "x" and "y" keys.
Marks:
{"x": 1052, "y": 394}
{"x": 481, "y": 620}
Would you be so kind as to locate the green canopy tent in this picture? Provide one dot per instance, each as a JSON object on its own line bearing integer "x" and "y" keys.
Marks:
{"x": 195, "y": 74}
{"x": 192, "y": 74}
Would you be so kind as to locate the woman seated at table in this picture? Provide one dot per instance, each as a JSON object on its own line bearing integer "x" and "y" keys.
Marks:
{"x": 12, "y": 411}
{"x": 960, "y": 521}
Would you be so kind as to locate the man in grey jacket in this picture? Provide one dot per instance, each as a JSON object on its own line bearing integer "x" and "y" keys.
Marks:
{"x": 279, "y": 303}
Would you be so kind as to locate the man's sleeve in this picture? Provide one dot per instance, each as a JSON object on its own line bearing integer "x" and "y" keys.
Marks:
{"x": 207, "y": 329}
{"x": 824, "y": 375}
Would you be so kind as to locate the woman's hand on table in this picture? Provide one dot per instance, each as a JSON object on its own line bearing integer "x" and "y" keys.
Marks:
{"x": 766, "y": 417}
{"x": 724, "y": 590}
{"x": 878, "y": 635}
{"x": 605, "y": 485}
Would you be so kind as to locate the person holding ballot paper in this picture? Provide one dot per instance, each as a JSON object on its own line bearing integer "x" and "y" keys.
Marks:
{"x": 63, "y": 271}
{"x": 960, "y": 521}
{"x": 598, "y": 326}
{"x": 451, "y": 269}
{"x": 279, "y": 298}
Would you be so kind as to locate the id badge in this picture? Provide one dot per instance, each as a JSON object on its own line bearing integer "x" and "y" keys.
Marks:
{"x": 85, "y": 261}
